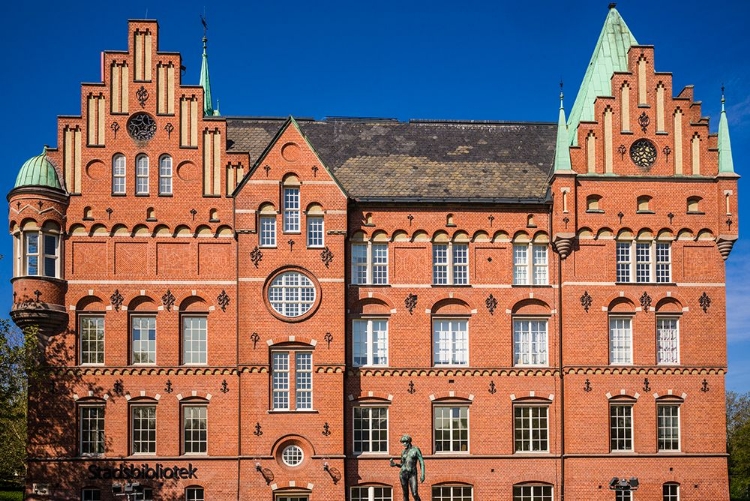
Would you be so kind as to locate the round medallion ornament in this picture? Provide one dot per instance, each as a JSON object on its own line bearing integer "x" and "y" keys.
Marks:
{"x": 141, "y": 127}
{"x": 643, "y": 153}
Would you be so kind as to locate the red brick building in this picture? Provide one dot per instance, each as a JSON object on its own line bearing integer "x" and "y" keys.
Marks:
{"x": 258, "y": 309}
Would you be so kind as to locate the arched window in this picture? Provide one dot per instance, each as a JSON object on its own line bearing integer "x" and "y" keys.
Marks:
{"x": 141, "y": 175}
{"x": 532, "y": 492}
{"x": 165, "y": 175}
{"x": 118, "y": 174}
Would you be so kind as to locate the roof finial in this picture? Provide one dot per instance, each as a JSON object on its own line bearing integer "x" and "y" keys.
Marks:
{"x": 561, "y": 92}
{"x": 722, "y": 96}
{"x": 612, "y": 5}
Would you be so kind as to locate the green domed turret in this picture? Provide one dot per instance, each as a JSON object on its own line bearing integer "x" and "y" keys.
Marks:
{"x": 38, "y": 171}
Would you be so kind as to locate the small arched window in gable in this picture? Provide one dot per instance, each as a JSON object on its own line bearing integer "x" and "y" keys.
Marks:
{"x": 644, "y": 204}
{"x": 693, "y": 205}
{"x": 593, "y": 203}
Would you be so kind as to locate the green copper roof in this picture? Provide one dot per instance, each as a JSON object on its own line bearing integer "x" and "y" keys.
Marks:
{"x": 562, "y": 145}
{"x": 208, "y": 107}
{"x": 610, "y": 55}
{"x": 725, "y": 146}
{"x": 38, "y": 171}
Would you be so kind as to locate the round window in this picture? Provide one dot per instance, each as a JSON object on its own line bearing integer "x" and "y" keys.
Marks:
{"x": 292, "y": 455}
{"x": 141, "y": 126}
{"x": 643, "y": 153}
{"x": 291, "y": 294}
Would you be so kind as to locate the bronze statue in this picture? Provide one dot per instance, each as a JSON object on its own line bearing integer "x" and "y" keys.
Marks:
{"x": 408, "y": 465}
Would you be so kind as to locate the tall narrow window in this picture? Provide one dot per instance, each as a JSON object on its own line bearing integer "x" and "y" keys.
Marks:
{"x": 268, "y": 231}
{"x": 284, "y": 374}
{"x": 91, "y": 420}
{"x": 621, "y": 427}
{"x": 669, "y": 427}
{"x": 194, "y": 340}
{"x": 194, "y": 426}
{"x": 370, "y": 342}
{"x": 143, "y": 334}
{"x": 280, "y": 369}
{"x": 623, "y": 262}
{"x": 303, "y": 380}
{"x": 642, "y": 262}
{"x": 41, "y": 251}
{"x": 291, "y": 210}
{"x": 620, "y": 340}
{"x": 315, "y": 231}
{"x": 670, "y": 492}
{"x": 92, "y": 339}
{"x": 450, "y": 264}
{"x": 440, "y": 264}
{"x": 530, "y": 265}
{"x": 530, "y": 342}
{"x": 118, "y": 175}
{"x": 143, "y": 429}
{"x": 531, "y": 428}
{"x": 451, "y": 342}
{"x": 451, "y": 429}
{"x": 141, "y": 175}
{"x": 165, "y": 175}
{"x": 370, "y": 429}
{"x": 369, "y": 263}
{"x": 663, "y": 263}
{"x": 668, "y": 341}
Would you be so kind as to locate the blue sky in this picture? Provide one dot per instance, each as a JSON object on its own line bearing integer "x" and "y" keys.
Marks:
{"x": 484, "y": 60}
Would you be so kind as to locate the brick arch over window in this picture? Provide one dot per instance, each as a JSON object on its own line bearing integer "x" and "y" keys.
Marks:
{"x": 142, "y": 303}
{"x": 451, "y": 306}
{"x": 621, "y": 305}
{"x": 90, "y": 303}
{"x": 531, "y": 307}
{"x": 377, "y": 304}
{"x": 194, "y": 303}
{"x": 668, "y": 305}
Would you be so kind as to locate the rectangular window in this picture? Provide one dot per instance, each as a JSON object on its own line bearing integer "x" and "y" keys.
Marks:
{"x": 194, "y": 427}
{"x": 91, "y": 495}
{"x": 32, "y": 253}
{"x": 620, "y": 340}
{"x": 194, "y": 340}
{"x": 663, "y": 263}
{"x": 165, "y": 175}
{"x": 531, "y": 427}
{"x": 450, "y": 264}
{"x": 668, "y": 340}
{"x": 141, "y": 175}
{"x": 532, "y": 493}
{"x": 370, "y": 429}
{"x": 451, "y": 429}
{"x": 642, "y": 262}
{"x": 283, "y": 374}
{"x": 280, "y": 369}
{"x": 669, "y": 427}
{"x": 371, "y": 493}
{"x": 268, "y": 231}
{"x": 370, "y": 342}
{"x": 143, "y": 426}
{"x": 303, "y": 381}
{"x": 369, "y": 264}
{"x": 143, "y": 333}
{"x": 50, "y": 255}
{"x": 92, "y": 339}
{"x": 653, "y": 262}
{"x": 46, "y": 257}
{"x": 460, "y": 264}
{"x": 670, "y": 492}
{"x": 118, "y": 175}
{"x": 314, "y": 231}
{"x": 92, "y": 429}
{"x": 452, "y": 493}
{"x": 623, "y": 262}
{"x": 530, "y": 342}
{"x": 621, "y": 427}
{"x": 530, "y": 266}
{"x": 623, "y": 496}
{"x": 291, "y": 210}
{"x": 440, "y": 264}
{"x": 194, "y": 494}
{"x": 451, "y": 342}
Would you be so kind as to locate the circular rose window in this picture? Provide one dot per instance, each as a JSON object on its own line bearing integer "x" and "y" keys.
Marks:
{"x": 292, "y": 455}
{"x": 291, "y": 294}
{"x": 643, "y": 153}
{"x": 141, "y": 127}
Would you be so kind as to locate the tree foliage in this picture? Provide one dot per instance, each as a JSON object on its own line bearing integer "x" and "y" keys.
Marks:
{"x": 738, "y": 444}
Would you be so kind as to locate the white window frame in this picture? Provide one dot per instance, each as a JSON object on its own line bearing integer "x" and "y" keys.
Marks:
{"x": 533, "y": 492}
{"x": 293, "y": 455}
{"x": 146, "y": 443}
{"x": 194, "y": 340}
{"x": 530, "y": 264}
{"x": 527, "y": 345}
{"x": 91, "y": 348}
{"x": 370, "y": 342}
{"x": 451, "y": 495}
{"x": 532, "y": 436}
{"x": 369, "y": 426}
{"x": 673, "y": 427}
{"x": 674, "y": 495}
{"x": 315, "y": 231}
{"x": 292, "y": 294}
{"x": 119, "y": 174}
{"x": 136, "y": 354}
{"x": 267, "y": 230}
{"x": 644, "y": 262}
{"x": 621, "y": 340}
{"x": 195, "y": 493}
{"x": 288, "y": 380}
{"x": 369, "y": 261}
{"x": 623, "y": 496}
{"x": 371, "y": 493}
{"x": 621, "y": 437}
{"x": 195, "y": 429}
{"x": 291, "y": 209}
{"x": 91, "y": 437}
{"x": 165, "y": 175}
{"x": 450, "y": 342}
{"x": 455, "y": 445}
{"x": 450, "y": 263}
{"x": 667, "y": 340}
{"x": 141, "y": 174}
{"x": 46, "y": 264}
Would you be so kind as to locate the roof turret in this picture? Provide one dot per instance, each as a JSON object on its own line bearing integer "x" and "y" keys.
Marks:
{"x": 38, "y": 171}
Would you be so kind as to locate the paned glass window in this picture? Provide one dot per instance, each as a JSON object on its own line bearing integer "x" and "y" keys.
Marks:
{"x": 369, "y": 342}
{"x": 620, "y": 340}
{"x": 531, "y": 428}
{"x": 141, "y": 175}
{"x": 670, "y": 492}
{"x": 143, "y": 333}
{"x": 369, "y": 263}
{"x": 194, "y": 340}
{"x": 268, "y": 231}
{"x": 41, "y": 251}
{"x": 450, "y": 264}
{"x": 91, "y": 420}
{"x": 669, "y": 427}
{"x": 165, "y": 175}
{"x": 118, "y": 174}
{"x": 282, "y": 375}
{"x": 371, "y": 493}
{"x": 291, "y": 210}
{"x": 621, "y": 427}
{"x": 304, "y": 380}
{"x": 451, "y": 429}
{"x": 280, "y": 370}
{"x": 92, "y": 339}
{"x": 532, "y": 492}
{"x": 370, "y": 429}
{"x": 91, "y": 494}
{"x": 194, "y": 494}
{"x": 530, "y": 265}
{"x": 195, "y": 425}
{"x": 652, "y": 264}
{"x": 292, "y": 455}
{"x": 291, "y": 294}
{"x": 452, "y": 493}
{"x": 315, "y": 231}
{"x": 451, "y": 342}
{"x": 623, "y": 496}
{"x": 530, "y": 342}
{"x": 668, "y": 340}
{"x": 143, "y": 426}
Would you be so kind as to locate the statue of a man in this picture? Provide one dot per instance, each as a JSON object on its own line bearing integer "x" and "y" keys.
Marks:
{"x": 408, "y": 465}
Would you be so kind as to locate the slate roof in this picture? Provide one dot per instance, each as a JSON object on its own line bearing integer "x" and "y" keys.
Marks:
{"x": 429, "y": 161}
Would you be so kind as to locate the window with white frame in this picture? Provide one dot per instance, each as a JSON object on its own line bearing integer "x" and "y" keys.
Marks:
{"x": 91, "y": 334}
{"x": 292, "y": 455}
{"x": 370, "y": 342}
{"x": 291, "y": 294}
{"x": 370, "y": 263}
{"x": 623, "y": 496}
{"x": 165, "y": 175}
{"x": 283, "y": 374}
{"x": 530, "y": 266}
{"x": 194, "y": 340}
{"x": 621, "y": 427}
{"x": 119, "y": 168}
{"x": 670, "y": 492}
{"x": 371, "y": 493}
{"x": 41, "y": 252}
{"x": 143, "y": 339}
{"x": 141, "y": 175}
{"x": 532, "y": 492}
{"x": 531, "y": 427}
{"x": 620, "y": 340}
{"x": 291, "y": 210}
{"x": 91, "y": 494}
{"x": 644, "y": 262}
{"x": 452, "y": 493}
{"x": 194, "y": 494}
{"x": 668, "y": 340}
{"x": 91, "y": 424}
{"x": 268, "y": 231}
{"x": 530, "y": 342}
{"x": 668, "y": 427}
{"x": 370, "y": 429}
{"x": 450, "y": 341}
{"x": 143, "y": 429}
{"x": 195, "y": 429}
{"x": 315, "y": 231}
{"x": 451, "y": 428}
{"x": 450, "y": 264}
